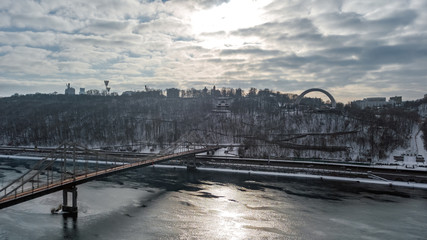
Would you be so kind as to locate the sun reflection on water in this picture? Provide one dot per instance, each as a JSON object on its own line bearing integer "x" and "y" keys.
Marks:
{"x": 234, "y": 213}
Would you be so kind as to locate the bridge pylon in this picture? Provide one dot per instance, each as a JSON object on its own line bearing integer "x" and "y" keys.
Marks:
{"x": 69, "y": 209}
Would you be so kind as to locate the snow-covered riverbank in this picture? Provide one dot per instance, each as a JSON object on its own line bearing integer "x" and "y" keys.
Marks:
{"x": 311, "y": 176}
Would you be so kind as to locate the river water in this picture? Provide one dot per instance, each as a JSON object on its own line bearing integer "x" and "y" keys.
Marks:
{"x": 162, "y": 203}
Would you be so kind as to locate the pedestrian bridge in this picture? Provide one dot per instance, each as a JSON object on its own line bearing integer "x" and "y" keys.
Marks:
{"x": 63, "y": 170}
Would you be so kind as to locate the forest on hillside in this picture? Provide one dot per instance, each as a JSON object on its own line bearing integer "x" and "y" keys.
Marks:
{"x": 258, "y": 122}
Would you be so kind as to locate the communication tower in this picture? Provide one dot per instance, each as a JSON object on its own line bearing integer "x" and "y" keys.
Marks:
{"x": 107, "y": 87}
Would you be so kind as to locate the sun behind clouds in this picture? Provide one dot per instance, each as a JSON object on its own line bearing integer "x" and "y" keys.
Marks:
{"x": 213, "y": 26}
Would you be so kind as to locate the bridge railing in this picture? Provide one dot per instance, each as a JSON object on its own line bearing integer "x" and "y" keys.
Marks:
{"x": 33, "y": 175}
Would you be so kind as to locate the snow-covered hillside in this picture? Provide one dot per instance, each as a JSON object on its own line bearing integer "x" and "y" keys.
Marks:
{"x": 257, "y": 124}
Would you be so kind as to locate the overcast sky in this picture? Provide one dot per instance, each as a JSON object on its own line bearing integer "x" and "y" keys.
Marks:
{"x": 353, "y": 49}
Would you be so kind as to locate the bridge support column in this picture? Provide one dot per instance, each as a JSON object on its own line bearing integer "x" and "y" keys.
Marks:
{"x": 72, "y": 210}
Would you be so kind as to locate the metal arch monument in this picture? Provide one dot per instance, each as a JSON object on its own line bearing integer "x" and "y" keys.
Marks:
{"x": 299, "y": 98}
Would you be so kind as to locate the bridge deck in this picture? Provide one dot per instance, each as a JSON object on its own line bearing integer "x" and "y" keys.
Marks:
{"x": 66, "y": 183}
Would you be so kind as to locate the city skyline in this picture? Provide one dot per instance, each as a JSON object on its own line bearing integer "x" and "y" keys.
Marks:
{"x": 352, "y": 49}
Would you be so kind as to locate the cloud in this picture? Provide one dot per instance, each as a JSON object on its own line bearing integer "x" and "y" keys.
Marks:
{"x": 105, "y": 27}
{"x": 353, "y": 23}
{"x": 169, "y": 25}
{"x": 348, "y": 47}
{"x": 26, "y": 60}
{"x": 250, "y": 51}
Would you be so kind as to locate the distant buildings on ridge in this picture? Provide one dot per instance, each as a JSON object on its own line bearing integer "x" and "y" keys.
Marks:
{"x": 225, "y": 95}
{"x": 72, "y": 91}
{"x": 376, "y": 102}
{"x": 69, "y": 90}
{"x": 172, "y": 93}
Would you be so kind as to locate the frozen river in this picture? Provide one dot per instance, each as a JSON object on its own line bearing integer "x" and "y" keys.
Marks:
{"x": 159, "y": 203}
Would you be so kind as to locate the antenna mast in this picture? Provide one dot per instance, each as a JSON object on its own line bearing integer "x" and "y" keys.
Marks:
{"x": 107, "y": 87}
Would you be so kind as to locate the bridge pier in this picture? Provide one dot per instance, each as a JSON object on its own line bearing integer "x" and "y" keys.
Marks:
{"x": 69, "y": 210}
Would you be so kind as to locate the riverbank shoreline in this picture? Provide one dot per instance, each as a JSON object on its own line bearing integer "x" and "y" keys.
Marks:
{"x": 306, "y": 176}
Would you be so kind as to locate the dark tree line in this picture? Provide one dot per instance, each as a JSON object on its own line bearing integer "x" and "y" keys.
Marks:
{"x": 257, "y": 120}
